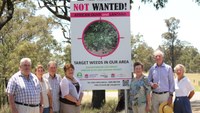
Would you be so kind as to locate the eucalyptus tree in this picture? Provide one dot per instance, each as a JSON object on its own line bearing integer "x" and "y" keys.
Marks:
{"x": 190, "y": 58}
{"x": 141, "y": 51}
{"x": 7, "y": 8}
{"x": 26, "y": 35}
{"x": 6, "y": 12}
{"x": 171, "y": 37}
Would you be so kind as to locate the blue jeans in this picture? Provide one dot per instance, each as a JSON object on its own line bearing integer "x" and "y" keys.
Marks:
{"x": 46, "y": 110}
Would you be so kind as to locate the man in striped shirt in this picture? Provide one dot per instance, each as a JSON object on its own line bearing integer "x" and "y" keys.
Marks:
{"x": 54, "y": 81}
{"x": 24, "y": 90}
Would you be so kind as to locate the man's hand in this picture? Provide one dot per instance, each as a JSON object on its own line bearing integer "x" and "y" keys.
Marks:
{"x": 78, "y": 103}
{"x": 169, "y": 102}
{"x": 154, "y": 85}
{"x": 51, "y": 110}
{"x": 41, "y": 109}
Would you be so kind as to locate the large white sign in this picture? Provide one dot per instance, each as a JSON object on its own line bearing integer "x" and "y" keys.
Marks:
{"x": 101, "y": 50}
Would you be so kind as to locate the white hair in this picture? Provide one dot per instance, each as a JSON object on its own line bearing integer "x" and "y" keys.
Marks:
{"x": 181, "y": 66}
{"x": 23, "y": 60}
{"x": 52, "y": 62}
{"x": 158, "y": 52}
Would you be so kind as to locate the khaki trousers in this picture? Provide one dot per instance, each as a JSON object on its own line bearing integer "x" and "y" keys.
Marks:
{"x": 157, "y": 99}
{"x": 27, "y": 109}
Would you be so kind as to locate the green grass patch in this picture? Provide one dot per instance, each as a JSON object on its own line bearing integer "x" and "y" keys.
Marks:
{"x": 197, "y": 88}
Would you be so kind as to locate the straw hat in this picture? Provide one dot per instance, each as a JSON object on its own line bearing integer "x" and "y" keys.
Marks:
{"x": 165, "y": 108}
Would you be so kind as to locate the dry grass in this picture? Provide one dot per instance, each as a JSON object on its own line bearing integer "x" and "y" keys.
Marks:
{"x": 195, "y": 79}
{"x": 109, "y": 107}
{"x": 110, "y": 95}
{"x": 5, "y": 109}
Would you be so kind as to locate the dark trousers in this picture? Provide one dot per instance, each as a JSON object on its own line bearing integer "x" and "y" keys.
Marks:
{"x": 182, "y": 105}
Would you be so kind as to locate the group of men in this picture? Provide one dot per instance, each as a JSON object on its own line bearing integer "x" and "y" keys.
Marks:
{"x": 24, "y": 90}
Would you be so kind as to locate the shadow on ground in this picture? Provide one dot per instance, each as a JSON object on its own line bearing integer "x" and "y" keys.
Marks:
{"x": 195, "y": 106}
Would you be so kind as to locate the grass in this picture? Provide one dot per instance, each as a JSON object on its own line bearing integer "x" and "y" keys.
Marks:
{"x": 5, "y": 109}
{"x": 109, "y": 107}
{"x": 195, "y": 80}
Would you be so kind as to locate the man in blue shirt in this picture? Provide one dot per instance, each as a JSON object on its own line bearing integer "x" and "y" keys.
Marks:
{"x": 161, "y": 79}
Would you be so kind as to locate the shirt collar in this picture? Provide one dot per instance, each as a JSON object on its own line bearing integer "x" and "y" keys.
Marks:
{"x": 21, "y": 75}
{"x": 162, "y": 65}
{"x": 49, "y": 76}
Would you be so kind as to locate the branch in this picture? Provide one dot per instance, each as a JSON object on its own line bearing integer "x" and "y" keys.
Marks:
{"x": 9, "y": 13}
{"x": 48, "y": 5}
{"x": 2, "y": 7}
{"x": 64, "y": 31}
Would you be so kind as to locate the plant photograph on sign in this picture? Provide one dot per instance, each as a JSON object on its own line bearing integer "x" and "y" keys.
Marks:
{"x": 100, "y": 38}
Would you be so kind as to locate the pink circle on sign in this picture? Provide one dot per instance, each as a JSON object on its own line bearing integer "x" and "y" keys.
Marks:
{"x": 100, "y": 38}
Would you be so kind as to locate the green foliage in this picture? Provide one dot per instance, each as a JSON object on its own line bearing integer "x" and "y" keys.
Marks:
{"x": 190, "y": 59}
{"x": 177, "y": 51}
{"x": 27, "y": 35}
{"x": 67, "y": 54}
{"x": 171, "y": 39}
{"x": 100, "y": 36}
{"x": 144, "y": 54}
{"x": 158, "y": 4}
{"x": 197, "y": 89}
{"x": 5, "y": 109}
{"x": 198, "y": 2}
{"x": 141, "y": 52}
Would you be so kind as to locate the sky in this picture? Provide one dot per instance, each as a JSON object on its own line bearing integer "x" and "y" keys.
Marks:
{"x": 150, "y": 23}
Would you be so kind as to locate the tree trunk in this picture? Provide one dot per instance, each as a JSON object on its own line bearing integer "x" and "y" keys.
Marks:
{"x": 98, "y": 98}
{"x": 121, "y": 102}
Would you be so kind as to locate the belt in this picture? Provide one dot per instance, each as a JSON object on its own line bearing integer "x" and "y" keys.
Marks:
{"x": 30, "y": 105}
{"x": 160, "y": 92}
{"x": 182, "y": 97}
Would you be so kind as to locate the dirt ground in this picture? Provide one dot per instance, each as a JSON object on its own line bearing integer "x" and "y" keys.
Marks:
{"x": 195, "y": 106}
{"x": 195, "y": 103}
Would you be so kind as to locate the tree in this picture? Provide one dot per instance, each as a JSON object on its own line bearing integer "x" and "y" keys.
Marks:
{"x": 141, "y": 51}
{"x": 26, "y": 35}
{"x": 59, "y": 8}
{"x": 7, "y": 8}
{"x": 190, "y": 59}
{"x": 67, "y": 54}
{"x": 171, "y": 36}
{"x": 6, "y": 12}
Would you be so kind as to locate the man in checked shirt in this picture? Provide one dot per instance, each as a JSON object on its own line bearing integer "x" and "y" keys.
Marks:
{"x": 24, "y": 90}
